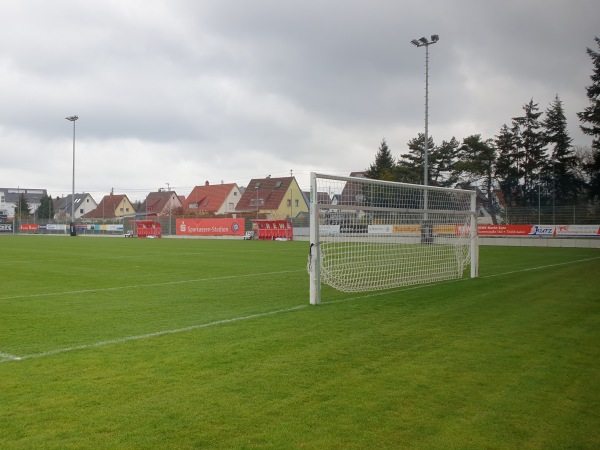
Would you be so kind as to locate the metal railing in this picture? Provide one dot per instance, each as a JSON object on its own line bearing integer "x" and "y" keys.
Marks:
{"x": 548, "y": 215}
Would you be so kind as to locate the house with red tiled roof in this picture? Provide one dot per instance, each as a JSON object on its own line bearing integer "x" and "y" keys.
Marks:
{"x": 275, "y": 198}
{"x": 160, "y": 204}
{"x": 110, "y": 207}
{"x": 213, "y": 199}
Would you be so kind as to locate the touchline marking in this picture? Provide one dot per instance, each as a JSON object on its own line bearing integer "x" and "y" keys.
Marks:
{"x": 137, "y": 286}
{"x": 145, "y": 336}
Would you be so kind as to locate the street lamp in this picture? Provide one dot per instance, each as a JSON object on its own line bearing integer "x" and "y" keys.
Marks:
{"x": 423, "y": 42}
{"x": 72, "y": 226}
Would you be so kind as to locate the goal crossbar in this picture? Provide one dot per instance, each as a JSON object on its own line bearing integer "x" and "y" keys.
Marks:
{"x": 368, "y": 235}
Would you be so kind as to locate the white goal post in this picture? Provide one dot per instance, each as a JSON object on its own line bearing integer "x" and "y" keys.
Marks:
{"x": 368, "y": 235}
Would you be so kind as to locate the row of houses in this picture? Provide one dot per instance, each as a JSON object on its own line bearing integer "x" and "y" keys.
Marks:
{"x": 273, "y": 198}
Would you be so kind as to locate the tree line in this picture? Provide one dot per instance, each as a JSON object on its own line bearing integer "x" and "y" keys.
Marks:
{"x": 531, "y": 161}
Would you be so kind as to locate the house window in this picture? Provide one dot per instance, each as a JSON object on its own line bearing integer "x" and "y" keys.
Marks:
{"x": 278, "y": 185}
{"x": 235, "y": 193}
{"x": 193, "y": 205}
{"x": 289, "y": 203}
{"x": 81, "y": 211}
{"x": 297, "y": 204}
{"x": 231, "y": 207}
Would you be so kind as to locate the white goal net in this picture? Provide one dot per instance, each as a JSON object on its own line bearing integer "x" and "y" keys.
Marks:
{"x": 368, "y": 235}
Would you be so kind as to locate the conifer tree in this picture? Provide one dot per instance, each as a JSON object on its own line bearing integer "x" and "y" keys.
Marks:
{"x": 508, "y": 165}
{"x": 533, "y": 144}
{"x": 384, "y": 166}
{"x": 476, "y": 165}
{"x": 560, "y": 175}
{"x": 410, "y": 165}
{"x": 442, "y": 161}
{"x": 590, "y": 123}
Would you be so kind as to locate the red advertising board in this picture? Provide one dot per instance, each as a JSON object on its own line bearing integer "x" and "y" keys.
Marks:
{"x": 210, "y": 227}
{"x": 29, "y": 227}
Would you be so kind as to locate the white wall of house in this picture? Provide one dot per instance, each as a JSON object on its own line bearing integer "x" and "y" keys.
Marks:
{"x": 86, "y": 206}
{"x": 3, "y": 205}
{"x": 171, "y": 205}
{"x": 231, "y": 201}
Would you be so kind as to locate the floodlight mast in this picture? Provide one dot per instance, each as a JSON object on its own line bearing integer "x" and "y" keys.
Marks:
{"x": 424, "y": 42}
{"x": 72, "y": 230}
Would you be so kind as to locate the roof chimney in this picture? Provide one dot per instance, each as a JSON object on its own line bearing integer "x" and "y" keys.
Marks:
{"x": 207, "y": 183}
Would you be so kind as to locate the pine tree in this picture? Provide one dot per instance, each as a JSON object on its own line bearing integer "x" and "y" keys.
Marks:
{"x": 46, "y": 208}
{"x": 590, "y": 123}
{"x": 508, "y": 165}
{"x": 410, "y": 165}
{"x": 533, "y": 144}
{"x": 384, "y": 166}
{"x": 560, "y": 174}
{"x": 442, "y": 161}
{"x": 23, "y": 209}
{"x": 477, "y": 163}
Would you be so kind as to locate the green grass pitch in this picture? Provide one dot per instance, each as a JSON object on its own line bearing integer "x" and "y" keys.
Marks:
{"x": 110, "y": 343}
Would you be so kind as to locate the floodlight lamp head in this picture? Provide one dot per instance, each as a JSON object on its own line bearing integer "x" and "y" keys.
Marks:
{"x": 72, "y": 118}
{"x": 415, "y": 42}
{"x": 424, "y": 40}
{"x": 435, "y": 37}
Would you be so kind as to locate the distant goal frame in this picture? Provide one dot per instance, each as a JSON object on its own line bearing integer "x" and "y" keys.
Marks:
{"x": 441, "y": 221}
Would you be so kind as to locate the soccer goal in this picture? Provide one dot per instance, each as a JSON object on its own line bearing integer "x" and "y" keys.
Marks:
{"x": 368, "y": 235}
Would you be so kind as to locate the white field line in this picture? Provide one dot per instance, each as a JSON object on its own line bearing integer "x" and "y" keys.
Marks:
{"x": 147, "y": 285}
{"x": 146, "y": 336}
{"x": 5, "y": 357}
{"x": 8, "y": 356}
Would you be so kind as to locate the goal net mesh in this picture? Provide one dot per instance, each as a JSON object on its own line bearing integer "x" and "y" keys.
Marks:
{"x": 372, "y": 235}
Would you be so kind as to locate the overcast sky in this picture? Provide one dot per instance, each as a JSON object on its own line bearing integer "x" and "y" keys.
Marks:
{"x": 183, "y": 92}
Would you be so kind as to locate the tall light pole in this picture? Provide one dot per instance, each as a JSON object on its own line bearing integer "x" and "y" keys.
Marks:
{"x": 423, "y": 42}
{"x": 169, "y": 191}
{"x": 72, "y": 226}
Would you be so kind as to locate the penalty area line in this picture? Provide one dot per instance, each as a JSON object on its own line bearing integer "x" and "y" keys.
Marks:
{"x": 145, "y": 336}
